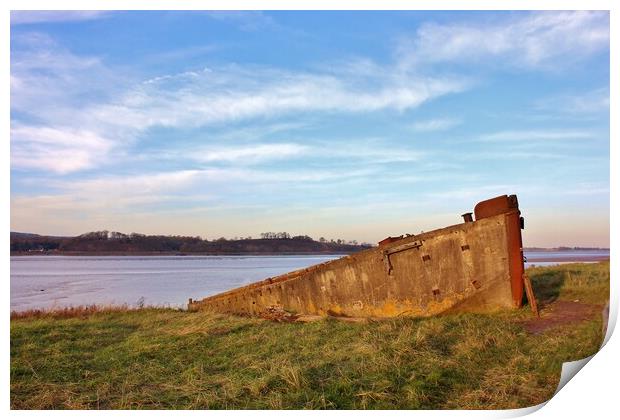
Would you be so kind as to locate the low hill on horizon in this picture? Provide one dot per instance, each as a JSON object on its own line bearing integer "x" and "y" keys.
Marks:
{"x": 110, "y": 243}
{"x": 105, "y": 242}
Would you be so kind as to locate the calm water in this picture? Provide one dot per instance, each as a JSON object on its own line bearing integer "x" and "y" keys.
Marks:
{"x": 52, "y": 281}
{"x": 544, "y": 258}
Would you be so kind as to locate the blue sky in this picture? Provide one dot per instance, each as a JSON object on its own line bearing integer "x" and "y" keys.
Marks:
{"x": 354, "y": 125}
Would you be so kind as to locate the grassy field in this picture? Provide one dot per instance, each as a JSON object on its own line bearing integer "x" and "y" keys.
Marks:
{"x": 163, "y": 358}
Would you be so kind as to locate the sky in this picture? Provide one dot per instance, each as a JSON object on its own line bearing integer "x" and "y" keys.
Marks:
{"x": 352, "y": 125}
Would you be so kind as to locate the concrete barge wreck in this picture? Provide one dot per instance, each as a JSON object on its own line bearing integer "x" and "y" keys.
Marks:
{"x": 473, "y": 266}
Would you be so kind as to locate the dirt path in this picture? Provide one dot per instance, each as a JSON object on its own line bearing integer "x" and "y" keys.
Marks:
{"x": 561, "y": 313}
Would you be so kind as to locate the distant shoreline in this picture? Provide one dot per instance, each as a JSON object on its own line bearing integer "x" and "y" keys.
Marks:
{"x": 119, "y": 244}
{"x": 563, "y": 258}
{"x": 169, "y": 254}
{"x": 564, "y": 249}
{"x": 580, "y": 258}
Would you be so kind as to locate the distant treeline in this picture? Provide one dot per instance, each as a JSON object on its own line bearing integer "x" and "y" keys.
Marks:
{"x": 105, "y": 242}
{"x": 566, "y": 248}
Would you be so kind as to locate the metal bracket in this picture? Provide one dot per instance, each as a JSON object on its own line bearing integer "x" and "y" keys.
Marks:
{"x": 387, "y": 262}
{"x": 386, "y": 253}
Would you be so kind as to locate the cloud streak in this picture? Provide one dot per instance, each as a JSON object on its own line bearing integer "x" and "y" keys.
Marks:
{"x": 56, "y": 149}
{"x": 246, "y": 20}
{"x": 437, "y": 124}
{"x": 367, "y": 152}
{"x": 232, "y": 93}
{"x": 190, "y": 99}
{"x": 21, "y": 17}
{"x": 587, "y": 103}
{"x": 182, "y": 189}
{"x": 536, "y": 135}
{"x": 250, "y": 154}
{"x": 534, "y": 40}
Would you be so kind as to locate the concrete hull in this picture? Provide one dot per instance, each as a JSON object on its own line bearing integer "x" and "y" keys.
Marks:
{"x": 472, "y": 266}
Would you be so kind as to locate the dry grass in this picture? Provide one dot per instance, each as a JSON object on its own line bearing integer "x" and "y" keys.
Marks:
{"x": 80, "y": 311}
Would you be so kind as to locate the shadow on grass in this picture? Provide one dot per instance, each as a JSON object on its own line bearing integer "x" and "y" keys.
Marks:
{"x": 547, "y": 285}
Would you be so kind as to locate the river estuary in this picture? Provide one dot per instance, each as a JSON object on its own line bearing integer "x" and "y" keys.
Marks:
{"x": 59, "y": 281}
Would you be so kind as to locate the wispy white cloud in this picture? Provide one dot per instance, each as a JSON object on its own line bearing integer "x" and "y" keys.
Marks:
{"x": 120, "y": 111}
{"x": 182, "y": 181}
{"x": 182, "y": 189}
{"x": 20, "y": 17}
{"x": 515, "y": 155}
{"x": 149, "y": 184}
{"x": 593, "y": 102}
{"x": 56, "y": 149}
{"x": 584, "y": 189}
{"x": 246, "y": 20}
{"x": 51, "y": 89}
{"x": 232, "y": 93}
{"x": 106, "y": 195}
{"x": 537, "y": 135}
{"x": 52, "y": 84}
{"x": 437, "y": 124}
{"x": 261, "y": 131}
{"x": 178, "y": 54}
{"x": 532, "y": 40}
{"x": 249, "y": 154}
{"x": 477, "y": 192}
{"x": 367, "y": 151}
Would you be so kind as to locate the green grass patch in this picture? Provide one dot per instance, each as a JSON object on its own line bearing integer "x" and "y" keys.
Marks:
{"x": 584, "y": 281}
{"x": 164, "y": 358}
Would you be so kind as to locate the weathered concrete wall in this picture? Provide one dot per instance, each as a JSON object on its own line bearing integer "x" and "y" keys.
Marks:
{"x": 463, "y": 267}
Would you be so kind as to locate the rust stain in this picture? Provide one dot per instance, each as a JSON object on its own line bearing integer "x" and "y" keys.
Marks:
{"x": 471, "y": 266}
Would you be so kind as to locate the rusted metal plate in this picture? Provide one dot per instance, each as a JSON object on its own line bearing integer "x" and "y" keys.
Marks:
{"x": 495, "y": 206}
{"x": 509, "y": 206}
{"x": 390, "y": 239}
